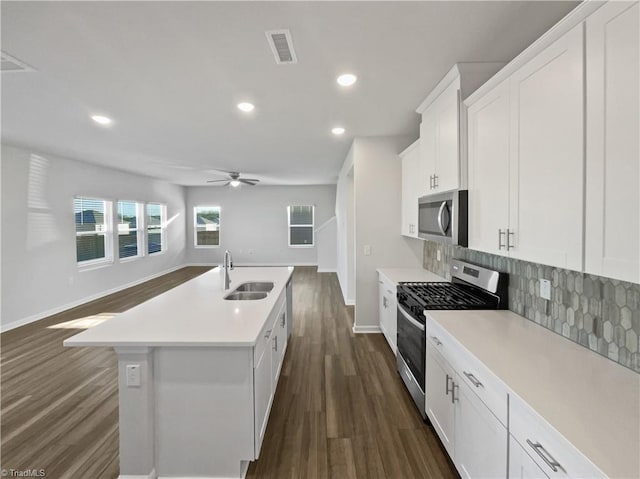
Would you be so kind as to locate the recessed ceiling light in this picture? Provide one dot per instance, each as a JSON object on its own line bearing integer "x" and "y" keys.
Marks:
{"x": 234, "y": 183}
{"x": 246, "y": 107}
{"x": 347, "y": 79}
{"x": 338, "y": 130}
{"x": 101, "y": 120}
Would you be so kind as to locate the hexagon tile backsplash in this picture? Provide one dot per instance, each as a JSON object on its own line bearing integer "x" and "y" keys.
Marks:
{"x": 598, "y": 313}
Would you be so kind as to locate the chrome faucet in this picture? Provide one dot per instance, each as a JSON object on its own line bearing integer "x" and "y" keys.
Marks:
{"x": 227, "y": 265}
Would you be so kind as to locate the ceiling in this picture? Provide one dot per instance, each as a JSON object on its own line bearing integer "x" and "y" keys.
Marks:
{"x": 170, "y": 74}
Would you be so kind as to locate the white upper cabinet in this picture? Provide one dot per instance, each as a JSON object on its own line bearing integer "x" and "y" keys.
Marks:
{"x": 410, "y": 159}
{"x": 489, "y": 171}
{"x": 612, "y": 243}
{"x": 546, "y": 151}
{"x": 526, "y": 162}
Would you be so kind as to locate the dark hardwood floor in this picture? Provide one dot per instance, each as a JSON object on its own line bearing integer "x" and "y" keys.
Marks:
{"x": 340, "y": 409}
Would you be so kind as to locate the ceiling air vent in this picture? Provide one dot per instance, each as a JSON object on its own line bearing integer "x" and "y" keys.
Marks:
{"x": 12, "y": 64}
{"x": 281, "y": 46}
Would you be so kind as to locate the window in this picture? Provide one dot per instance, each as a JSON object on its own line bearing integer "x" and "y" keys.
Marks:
{"x": 156, "y": 227}
{"x": 129, "y": 241}
{"x": 207, "y": 226}
{"x": 93, "y": 230}
{"x": 300, "y": 226}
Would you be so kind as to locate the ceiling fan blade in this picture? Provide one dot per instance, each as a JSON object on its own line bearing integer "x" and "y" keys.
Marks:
{"x": 215, "y": 181}
{"x": 248, "y": 182}
{"x": 249, "y": 179}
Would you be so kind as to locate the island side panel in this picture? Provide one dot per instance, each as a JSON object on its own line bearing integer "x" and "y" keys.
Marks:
{"x": 136, "y": 418}
{"x": 204, "y": 411}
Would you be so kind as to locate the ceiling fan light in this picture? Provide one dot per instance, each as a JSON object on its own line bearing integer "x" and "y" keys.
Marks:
{"x": 234, "y": 183}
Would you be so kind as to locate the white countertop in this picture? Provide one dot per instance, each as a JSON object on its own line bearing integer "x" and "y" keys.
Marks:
{"x": 397, "y": 275}
{"x": 192, "y": 314}
{"x": 593, "y": 402}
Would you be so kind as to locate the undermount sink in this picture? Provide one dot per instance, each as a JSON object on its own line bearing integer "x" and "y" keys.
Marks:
{"x": 264, "y": 286}
{"x": 245, "y": 295}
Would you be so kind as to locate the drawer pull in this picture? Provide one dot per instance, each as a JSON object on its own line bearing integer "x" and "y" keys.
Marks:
{"x": 544, "y": 454}
{"x": 283, "y": 320}
{"x": 275, "y": 343}
{"x": 446, "y": 392}
{"x": 267, "y": 334}
{"x": 473, "y": 379}
{"x": 436, "y": 340}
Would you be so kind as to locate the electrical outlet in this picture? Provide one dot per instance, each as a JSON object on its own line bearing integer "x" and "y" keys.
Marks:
{"x": 133, "y": 375}
{"x": 367, "y": 250}
{"x": 545, "y": 289}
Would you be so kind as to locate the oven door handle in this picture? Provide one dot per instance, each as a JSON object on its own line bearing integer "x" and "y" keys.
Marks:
{"x": 410, "y": 319}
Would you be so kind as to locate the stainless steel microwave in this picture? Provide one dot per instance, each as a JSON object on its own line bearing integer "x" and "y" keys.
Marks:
{"x": 443, "y": 217}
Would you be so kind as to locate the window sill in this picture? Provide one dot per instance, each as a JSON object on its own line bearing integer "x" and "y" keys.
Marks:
{"x": 129, "y": 259}
{"x": 206, "y": 246}
{"x": 302, "y": 246}
{"x": 82, "y": 267}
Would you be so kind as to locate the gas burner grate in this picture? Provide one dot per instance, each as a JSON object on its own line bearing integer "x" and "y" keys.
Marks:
{"x": 449, "y": 296}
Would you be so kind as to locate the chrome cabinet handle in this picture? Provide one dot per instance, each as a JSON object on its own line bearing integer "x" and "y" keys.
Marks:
{"x": 544, "y": 454}
{"x": 447, "y": 390}
{"x": 436, "y": 340}
{"x": 453, "y": 392}
{"x": 509, "y": 235}
{"x": 500, "y": 234}
{"x": 473, "y": 379}
{"x": 275, "y": 343}
{"x": 385, "y": 302}
{"x": 390, "y": 292}
{"x": 431, "y": 182}
{"x": 267, "y": 334}
{"x": 283, "y": 320}
{"x": 435, "y": 181}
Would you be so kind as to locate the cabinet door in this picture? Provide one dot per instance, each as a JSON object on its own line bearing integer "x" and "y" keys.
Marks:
{"x": 613, "y": 155}
{"x": 481, "y": 440}
{"x": 410, "y": 192}
{"x": 489, "y": 171}
{"x": 447, "y": 167}
{"x": 382, "y": 306}
{"x": 440, "y": 408}
{"x": 392, "y": 316}
{"x": 546, "y": 214}
{"x": 262, "y": 397}
{"x": 278, "y": 344}
{"x": 428, "y": 153}
{"x": 521, "y": 466}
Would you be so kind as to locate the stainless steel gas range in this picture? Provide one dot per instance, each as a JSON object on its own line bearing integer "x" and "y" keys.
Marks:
{"x": 471, "y": 287}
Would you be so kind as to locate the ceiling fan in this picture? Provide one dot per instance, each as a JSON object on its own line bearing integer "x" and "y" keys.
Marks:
{"x": 234, "y": 180}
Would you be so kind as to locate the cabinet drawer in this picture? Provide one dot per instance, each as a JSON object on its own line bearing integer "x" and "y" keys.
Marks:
{"x": 556, "y": 456}
{"x": 491, "y": 391}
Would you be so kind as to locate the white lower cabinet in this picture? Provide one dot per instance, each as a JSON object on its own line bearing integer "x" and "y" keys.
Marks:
{"x": 388, "y": 310}
{"x": 268, "y": 357}
{"x": 472, "y": 435}
{"x": 521, "y": 466}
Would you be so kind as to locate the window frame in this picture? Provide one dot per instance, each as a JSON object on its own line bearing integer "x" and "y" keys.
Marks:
{"x": 195, "y": 227}
{"x": 107, "y": 235}
{"x": 140, "y": 228}
{"x": 162, "y": 228}
{"x": 312, "y": 226}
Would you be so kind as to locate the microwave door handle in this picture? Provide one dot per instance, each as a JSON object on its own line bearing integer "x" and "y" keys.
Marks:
{"x": 440, "y": 212}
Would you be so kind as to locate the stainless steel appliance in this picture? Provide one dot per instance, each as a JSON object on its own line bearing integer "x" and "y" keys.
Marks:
{"x": 443, "y": 217}
{"x": 471, "y": 287}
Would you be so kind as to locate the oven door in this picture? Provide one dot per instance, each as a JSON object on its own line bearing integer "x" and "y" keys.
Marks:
{"x": 412, "y": 346}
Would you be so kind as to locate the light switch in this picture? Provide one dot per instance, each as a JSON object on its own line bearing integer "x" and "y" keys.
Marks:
{"x": 367, "y": 250}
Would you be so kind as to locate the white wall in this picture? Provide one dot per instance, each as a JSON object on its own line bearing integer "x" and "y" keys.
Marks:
{"x": 327, "y": 237}
{"x": 253, "y": 222}
{"x": 377, "y": 184}
{"x": 39, "y": 271}
{"x": 345, "y": 226}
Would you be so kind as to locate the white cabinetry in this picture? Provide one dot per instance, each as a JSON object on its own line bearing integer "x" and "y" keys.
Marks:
{"x": 268, "y": 357}
{"x": 465, "y": 411}
{"x": 410, "y": 159}
{"x": 521, "y": 466}
{"x": 612, "y": 242}
{"x": 388, "y": 310}
{"x": 542, "y": 131}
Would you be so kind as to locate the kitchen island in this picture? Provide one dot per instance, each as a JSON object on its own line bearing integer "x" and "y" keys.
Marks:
{"x": 197, "y": 374}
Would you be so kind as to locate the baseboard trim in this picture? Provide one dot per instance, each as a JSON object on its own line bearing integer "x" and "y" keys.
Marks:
{"x": 151, "y": 475}
{"x": 366, "y": 329}
{"x": 45, "y": 314}
{"x": 324, "y": 270}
